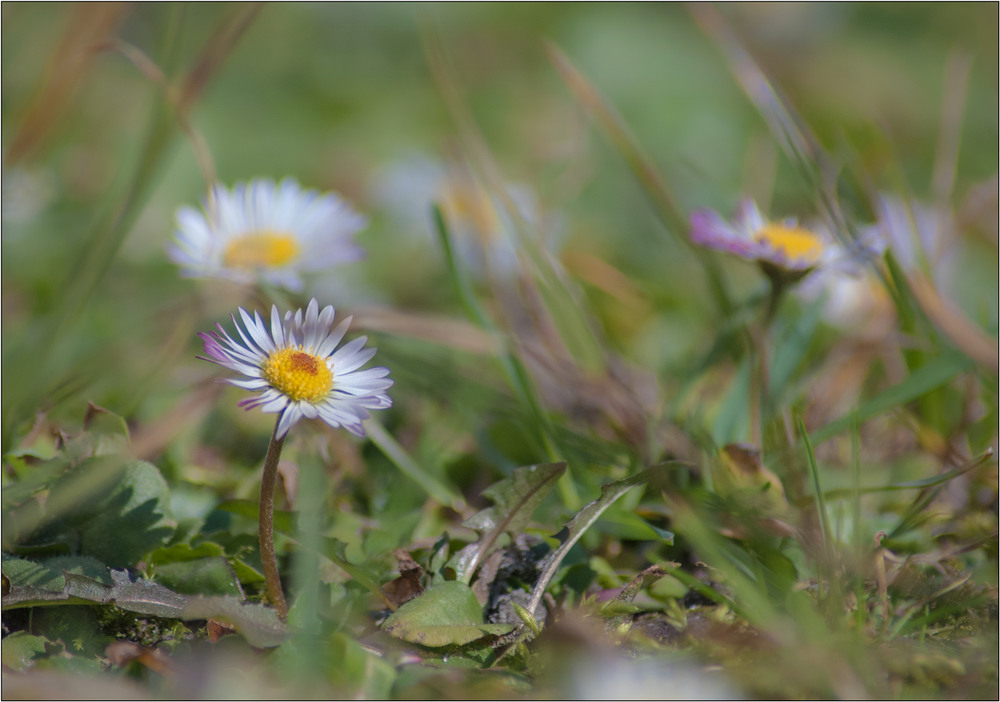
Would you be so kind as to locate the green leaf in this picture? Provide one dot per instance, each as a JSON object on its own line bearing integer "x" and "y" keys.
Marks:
{"x": 144, "y": 596}
{"x": 446, "y": 614}
{"x": 731, "y": 421}
{"x": 104, "y": 434}
{"x": 213, "y": 576}
{"x": 201, "y": 569}
{"x": 336, "y": 551}
{"x": 19, "y": 650}
{"x": 791, "y": 348}
{"x": 928, "y": 377}
{"x": 179, "y": 553}
{"x": 284, "y": 521}
{"x": 47, "y": 574}
{"x": 576, "y": 527}
{"x": 932, "y": 481}
{"x": 38, "y": 478}
{"x": 258, "y": 624}
{"x": 367, "y": 676}
{"x": 626, "y": 524}
{"x": 113, "y": 509}
{"x": 515, "y": 499}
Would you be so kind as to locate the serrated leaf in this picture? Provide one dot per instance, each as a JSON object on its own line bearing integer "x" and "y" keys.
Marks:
{"x": 258, "y": 624}
{"x": 31, "y": 596}
{"x": 446, "y": 614}
{"x": 143, "y": 596}
{"x": 576, "y": 527}
{"x": 108, "y": 507}
{"x": 47, "y": 574}
{"x": 515, "y": 499}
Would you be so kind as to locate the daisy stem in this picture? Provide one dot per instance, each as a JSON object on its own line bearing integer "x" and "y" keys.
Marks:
{"x": 266, "y": 524}
{"x": 778, "y": 287}
{"x": 760, "y": 381}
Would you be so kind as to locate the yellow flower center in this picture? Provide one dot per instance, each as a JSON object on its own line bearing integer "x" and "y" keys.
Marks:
{"x": 298, "y": 374}
{"x": 467, "y": 202}
{"x": 261, "y": 249}
{"x": 796, "y": 243}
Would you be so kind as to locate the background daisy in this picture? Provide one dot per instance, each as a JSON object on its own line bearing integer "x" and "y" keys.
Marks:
{"x": 266, "y": 231}
{"x": 782, "y": 244}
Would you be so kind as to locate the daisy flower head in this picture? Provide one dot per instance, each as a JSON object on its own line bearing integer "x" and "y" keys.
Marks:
{"x": 263, "y": 230}
{"x": 920, "y": 236}
{"x": 484, "y": 232}
{"x": 296, "y": 366}
{"x": 782, "y": 248}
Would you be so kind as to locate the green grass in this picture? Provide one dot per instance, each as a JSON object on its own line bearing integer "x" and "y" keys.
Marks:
{"x": 624, "y": 465}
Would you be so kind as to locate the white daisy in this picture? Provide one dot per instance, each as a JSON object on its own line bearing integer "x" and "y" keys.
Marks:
{"x": 266, "y": 230}
{"x": 484, "y": 233}
{"x": 782, "y": 245}
{"x": 920, "y": 236}
{"x": 299, "y": 370}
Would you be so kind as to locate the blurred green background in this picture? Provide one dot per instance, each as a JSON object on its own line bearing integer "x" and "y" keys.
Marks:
{"x": 333, "y": 94}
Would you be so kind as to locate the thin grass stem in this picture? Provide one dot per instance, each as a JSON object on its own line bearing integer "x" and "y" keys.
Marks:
{"x": 398, "y": 455}
{"x": 824, "y": 523}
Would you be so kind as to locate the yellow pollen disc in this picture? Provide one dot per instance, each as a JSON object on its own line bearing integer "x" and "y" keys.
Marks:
{"x": 469, "y": 203}
{"x": 796, "y": 243}
{"x": 261, "y": 249}
{"x": 298, "y": 374}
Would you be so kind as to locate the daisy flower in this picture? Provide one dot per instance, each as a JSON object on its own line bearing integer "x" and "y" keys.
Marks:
{"x": 920, "y": 236}
{"x": 780, "y": 247}
{"x": 296, "y": 366}
{"x": 484, "y": 233}
{"x": 265, "y": 230}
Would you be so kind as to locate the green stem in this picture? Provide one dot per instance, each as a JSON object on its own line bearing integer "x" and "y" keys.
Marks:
{"x": 760, "y": 387}
{"x": 410, "y": 468}
{"x": 778, "y": 287}
{"x": 266, "y": 524}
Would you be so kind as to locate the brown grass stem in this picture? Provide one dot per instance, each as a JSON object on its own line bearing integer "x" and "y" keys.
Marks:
{"x": 265, "y": 528}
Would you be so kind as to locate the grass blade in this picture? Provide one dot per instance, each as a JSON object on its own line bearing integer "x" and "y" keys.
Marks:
{"x": 930, "y": 376}
{"x": 410, "y": 468}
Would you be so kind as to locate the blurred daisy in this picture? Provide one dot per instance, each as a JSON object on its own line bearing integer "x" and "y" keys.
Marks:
{"x": 26, "y": 192}
{"x": 296, "y": 366}
{"x": 779, "y": 247}
{"x": 484, "y": 234}
{"x": 920, "y": 237}
{"x": 267, "y": 231}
